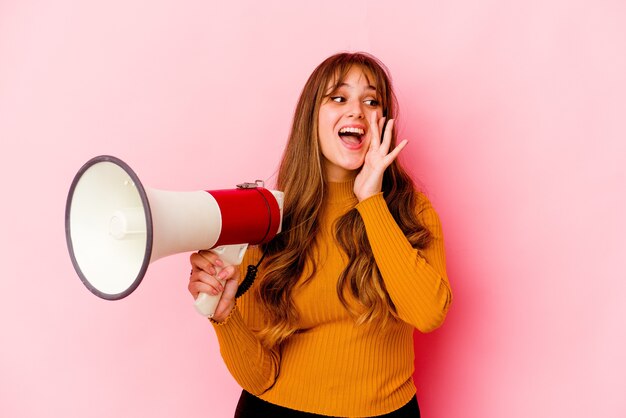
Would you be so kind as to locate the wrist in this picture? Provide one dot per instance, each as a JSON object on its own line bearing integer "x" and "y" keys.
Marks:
{"x": 371, "y": 200}
{"x": 363, "y": 192}
{"x": 224, "y": 320}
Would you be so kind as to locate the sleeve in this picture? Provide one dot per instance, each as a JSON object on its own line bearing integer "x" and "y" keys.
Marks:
{"x": 415, "y": 279}
{"x": 252, "y": 365}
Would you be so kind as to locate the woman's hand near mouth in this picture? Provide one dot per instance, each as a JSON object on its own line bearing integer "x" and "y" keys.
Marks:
{"x": 369, "y": 181}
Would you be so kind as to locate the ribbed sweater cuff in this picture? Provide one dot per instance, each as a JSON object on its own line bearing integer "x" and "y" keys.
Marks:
{"x": 234, "y": 330}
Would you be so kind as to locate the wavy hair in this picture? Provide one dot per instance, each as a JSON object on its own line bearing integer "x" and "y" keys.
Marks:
{"x": 301, "y": 177}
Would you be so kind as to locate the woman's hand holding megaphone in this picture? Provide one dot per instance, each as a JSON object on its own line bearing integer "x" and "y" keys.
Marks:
{"x": 210, "y": 276}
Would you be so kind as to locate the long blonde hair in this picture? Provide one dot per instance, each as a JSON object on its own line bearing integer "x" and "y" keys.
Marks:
{"x": 301, "y": 177}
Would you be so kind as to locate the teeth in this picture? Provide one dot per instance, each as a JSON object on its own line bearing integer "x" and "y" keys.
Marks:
{"x": 352, "y": 130}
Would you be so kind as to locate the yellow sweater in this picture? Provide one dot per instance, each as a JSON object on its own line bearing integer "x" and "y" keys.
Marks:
{"x": 332, "y": 366}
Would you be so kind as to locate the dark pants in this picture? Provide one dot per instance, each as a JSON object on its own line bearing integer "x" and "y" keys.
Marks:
{"x": 250, "y": 406}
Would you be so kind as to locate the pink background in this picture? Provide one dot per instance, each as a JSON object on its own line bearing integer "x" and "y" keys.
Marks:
{"x": 515, "y": 112}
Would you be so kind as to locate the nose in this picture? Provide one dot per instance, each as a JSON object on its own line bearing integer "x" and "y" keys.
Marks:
{"x": 356, "y": 110}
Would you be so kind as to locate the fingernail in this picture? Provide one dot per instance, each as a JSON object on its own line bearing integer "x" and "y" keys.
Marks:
{"x": 222, "y": 275}
{"x": 219, "y": 263}
{"x": 212, "y": 271}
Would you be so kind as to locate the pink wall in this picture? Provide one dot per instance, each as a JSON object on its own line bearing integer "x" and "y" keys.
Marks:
{"x": 516, "y": 116}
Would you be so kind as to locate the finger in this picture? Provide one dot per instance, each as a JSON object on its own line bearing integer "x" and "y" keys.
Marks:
{"x": 386, "y": 141}
{"x": 204, "y": 282}
{"x": 389, "y": 158}
{"x": 227, "y": 273}
{"x": 211, "y": 257}
{"x": 195, "y": 288}
{"x": 374, "y": 133}
{"x": 230, "y": 290}
{"x": 227, "y": 299}
{"x": 201, "y": 262}
{"x": 381, "y": 126}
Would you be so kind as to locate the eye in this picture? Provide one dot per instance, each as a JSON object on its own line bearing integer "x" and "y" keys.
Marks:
{"x": 338, "y": 99}
{"x": 372, "y": 102}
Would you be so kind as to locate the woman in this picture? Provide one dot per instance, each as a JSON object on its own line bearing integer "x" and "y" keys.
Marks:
{"x": 327, "y": 327}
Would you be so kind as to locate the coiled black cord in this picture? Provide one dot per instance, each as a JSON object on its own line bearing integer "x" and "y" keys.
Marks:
{"x": 249, "y": 279}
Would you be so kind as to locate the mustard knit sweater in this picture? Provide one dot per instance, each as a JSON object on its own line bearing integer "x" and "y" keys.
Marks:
{"x": 331, "y": 366}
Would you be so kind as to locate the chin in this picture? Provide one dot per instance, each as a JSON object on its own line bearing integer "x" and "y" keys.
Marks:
{"x": 353, "y": 168}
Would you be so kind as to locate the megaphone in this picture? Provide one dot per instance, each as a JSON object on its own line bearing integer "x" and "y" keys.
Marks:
{"x": 115, "y": 227}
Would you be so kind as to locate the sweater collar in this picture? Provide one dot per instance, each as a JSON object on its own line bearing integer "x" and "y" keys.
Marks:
{"x": 341, "y": 192}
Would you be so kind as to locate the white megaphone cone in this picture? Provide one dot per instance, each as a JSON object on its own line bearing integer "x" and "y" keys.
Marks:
{"x": 115, "y": 227}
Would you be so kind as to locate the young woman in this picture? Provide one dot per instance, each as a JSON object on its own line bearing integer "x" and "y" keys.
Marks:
{"x": 326, "y": 329}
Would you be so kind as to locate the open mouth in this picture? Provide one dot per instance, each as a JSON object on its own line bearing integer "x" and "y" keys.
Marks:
{"x": 352, "y": 136}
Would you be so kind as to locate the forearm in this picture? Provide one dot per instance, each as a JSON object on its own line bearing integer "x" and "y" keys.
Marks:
{"x": 415, "y": 280}
{"x": 253, "y": 366}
